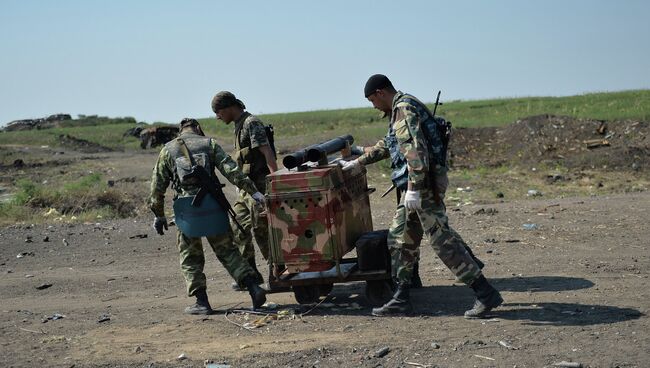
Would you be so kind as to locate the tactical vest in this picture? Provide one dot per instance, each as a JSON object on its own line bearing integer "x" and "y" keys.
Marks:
{"x": 195, "y": 220}
{"x": 201, "y": 151}
{"x": 250, "y": 160}
{"x": 432, "y": 128}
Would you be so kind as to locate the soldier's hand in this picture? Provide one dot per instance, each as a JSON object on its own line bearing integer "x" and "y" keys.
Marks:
{"x": 412, "y": 200}
{"x": 348, "y": 165}
{"x": 259, "y": 199}
{"x": 159, "y": 223}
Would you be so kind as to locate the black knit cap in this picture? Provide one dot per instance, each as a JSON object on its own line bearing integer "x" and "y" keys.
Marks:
{"x": 375, "y": 82}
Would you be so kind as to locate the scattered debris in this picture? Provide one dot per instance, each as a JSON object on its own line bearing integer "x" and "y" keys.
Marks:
{"x": 270, "y": 305}
{"x": 568, "y": 364}
{"x": 104, "y": 318}
{"x": 530, "y": 226}
{"x": 500, "y": 195}
{"x": 483, "y": 357}
{"x": 507, "y": 346}
{"x": 534, "y": 193}
{"x": 24, "y": 254}
{"x": 46, "y": 239}
{"x": 490, "y": 240}
{"x": 382, "y": 352}
{"x": 52, "y": 212}
{"x": 28, "y": 239}
{"x": 139, "y": 236}
{"x": 65, "y": 242}
{"x": 466, "y": 189}
{"x": 417, "y": 364}
{"x": 595, "y": 143}
{"x": 183, "y": 356}
{"x": 512, "y": 241}
{"x": 43, "y": 286}
{"x": 212, "y": 364}
{"x": 137, "y": 349}
{"x": 53, "y": 317}
{"x": 487, "y": 211}
{"x": 435, "y": 345}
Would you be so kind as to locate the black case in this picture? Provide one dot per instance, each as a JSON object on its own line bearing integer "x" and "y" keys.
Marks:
{"x": 372, "y": 251}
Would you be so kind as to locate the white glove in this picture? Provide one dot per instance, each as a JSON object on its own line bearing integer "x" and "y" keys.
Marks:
{"x": 259, "y": 198}
{"x": 349, "y": 165}
{"x": 412, "y": 200}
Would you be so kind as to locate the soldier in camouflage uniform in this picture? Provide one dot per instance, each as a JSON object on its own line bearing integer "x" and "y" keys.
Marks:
{"x": 192, "y": 258}
{"x": 254, "y": 155}
{"x": 422, "y": 208}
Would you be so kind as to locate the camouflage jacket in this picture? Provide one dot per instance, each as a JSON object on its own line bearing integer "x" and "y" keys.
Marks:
{"x": 165, "y": 173}
{"x": 249, "y": 136}
{"x": 405, "y": 121}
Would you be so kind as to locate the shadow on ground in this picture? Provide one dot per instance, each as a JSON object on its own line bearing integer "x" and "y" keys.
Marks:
{"x": 453, "y": 300}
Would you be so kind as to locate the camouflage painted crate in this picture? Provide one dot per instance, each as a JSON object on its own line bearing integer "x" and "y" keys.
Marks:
{"x": 315, "y": 216}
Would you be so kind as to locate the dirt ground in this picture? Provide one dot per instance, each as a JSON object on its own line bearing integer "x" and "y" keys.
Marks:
{"x": 575, "y": 290}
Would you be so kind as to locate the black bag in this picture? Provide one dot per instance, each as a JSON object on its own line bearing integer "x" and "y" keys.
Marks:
{"x": 372, "y": 251}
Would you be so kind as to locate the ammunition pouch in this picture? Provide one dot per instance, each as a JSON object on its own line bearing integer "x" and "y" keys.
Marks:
{"x": 205, "y": 219}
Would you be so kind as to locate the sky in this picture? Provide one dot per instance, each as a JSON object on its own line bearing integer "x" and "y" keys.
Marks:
{"x": 164, "y": 60}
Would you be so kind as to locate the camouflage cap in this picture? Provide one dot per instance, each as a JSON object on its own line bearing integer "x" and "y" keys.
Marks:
{"x": 188, "y": 122}
{"x": 225, "y": 99}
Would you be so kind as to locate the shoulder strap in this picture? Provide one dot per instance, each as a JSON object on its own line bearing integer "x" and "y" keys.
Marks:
{"x": 185, "y": 151}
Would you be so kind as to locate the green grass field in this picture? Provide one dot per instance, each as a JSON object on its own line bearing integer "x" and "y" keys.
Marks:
{"x": 366, "y": 125}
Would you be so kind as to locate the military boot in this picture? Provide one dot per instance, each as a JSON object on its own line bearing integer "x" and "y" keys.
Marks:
{"x": 258, "y": 276}
{"x": 416, "y": 282}
{"x": 258, "y": 295}
{"x": 251, "y": 262}
{"x": 487, "y": 298}
{"x": 202, "y": 306}
{"x": 399, "y": 304}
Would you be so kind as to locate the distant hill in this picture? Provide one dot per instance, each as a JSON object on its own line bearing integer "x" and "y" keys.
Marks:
{"x": 365, "y": 124}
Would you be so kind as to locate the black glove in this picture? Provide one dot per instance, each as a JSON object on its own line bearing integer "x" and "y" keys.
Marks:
{"x": 159, "y": 223}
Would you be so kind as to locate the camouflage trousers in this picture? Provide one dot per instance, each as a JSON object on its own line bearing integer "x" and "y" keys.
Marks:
{"x": 193, "y": 260}
{"x": 248, "y": 216}
{"x": 405, "y": 235}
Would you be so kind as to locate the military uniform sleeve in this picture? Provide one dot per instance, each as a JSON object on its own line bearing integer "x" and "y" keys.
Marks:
{"x": 229, "y": 169}
{"x": 412, "y": 143}
{"x": 378, "y": 152}
{"x": 160, "y": 178}
{"x": 257, "y": 134}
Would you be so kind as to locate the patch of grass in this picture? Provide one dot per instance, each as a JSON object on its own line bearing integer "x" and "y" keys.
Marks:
{"x": 86, "y": 198}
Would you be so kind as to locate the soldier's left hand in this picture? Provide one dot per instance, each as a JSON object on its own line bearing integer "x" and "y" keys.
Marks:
{"x": 412, "y": 200}
{"x": 159, "y": 223}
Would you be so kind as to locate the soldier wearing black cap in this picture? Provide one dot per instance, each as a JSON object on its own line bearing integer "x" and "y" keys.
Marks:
{"x": 418, "y": 160}
{"x": 254, "y": 155}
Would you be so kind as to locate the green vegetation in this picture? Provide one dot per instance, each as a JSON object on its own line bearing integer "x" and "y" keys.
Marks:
{"x": 85, "y": 199}
{"x": 110, "y": 135}
{"x": 365, "y": 124}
